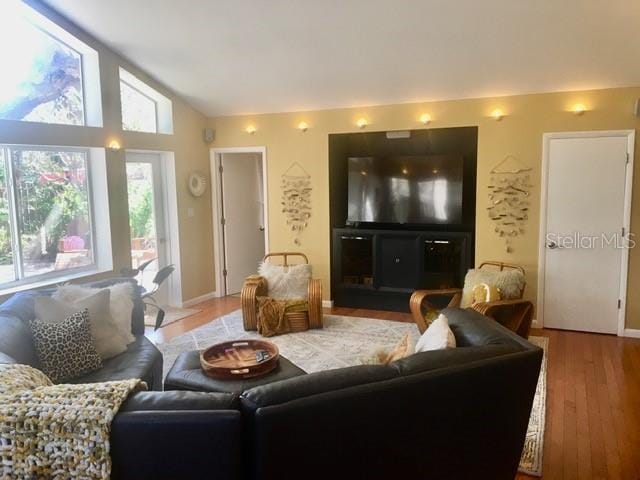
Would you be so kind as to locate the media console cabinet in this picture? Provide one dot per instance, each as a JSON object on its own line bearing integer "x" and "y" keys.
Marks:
{"x": 379, "y": 269}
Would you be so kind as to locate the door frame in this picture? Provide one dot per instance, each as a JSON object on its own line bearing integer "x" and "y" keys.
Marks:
{"x": 216, "y": 200}
{"x": 544, "y": 182}
{"x": 167, "y": 167}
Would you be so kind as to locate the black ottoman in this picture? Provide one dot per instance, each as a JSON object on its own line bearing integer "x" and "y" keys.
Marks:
{"x": 186, "y": 374}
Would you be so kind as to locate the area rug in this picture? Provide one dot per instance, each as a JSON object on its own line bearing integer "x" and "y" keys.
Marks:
{"x": 343, "y": 342}
{"x": 171, "y": 314}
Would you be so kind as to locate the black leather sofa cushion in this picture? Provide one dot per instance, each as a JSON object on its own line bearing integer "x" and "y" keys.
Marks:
{"x": 474, "y": 329}
{"x": 176, "y": 445}
{"x": 186, "y": 374}
{"x": 433, "y": 360}
{"x": 314, "y": 384}
{"x": 141, "y": 360}
{"x": 179, "y": 400}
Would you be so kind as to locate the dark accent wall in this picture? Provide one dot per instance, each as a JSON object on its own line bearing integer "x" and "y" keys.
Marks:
{"x": 433, "y": 141}
{"x": 396, "y": 255}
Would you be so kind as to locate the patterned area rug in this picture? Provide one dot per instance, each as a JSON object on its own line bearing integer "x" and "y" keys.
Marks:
{"x": 341, "y": 343}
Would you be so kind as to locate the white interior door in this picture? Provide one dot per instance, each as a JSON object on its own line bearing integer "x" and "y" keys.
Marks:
{"x": 145, "y": 187}
{"x": 243, "y": 222}
{"x": 584, "y": 242}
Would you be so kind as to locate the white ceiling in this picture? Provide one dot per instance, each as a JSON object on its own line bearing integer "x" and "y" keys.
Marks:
{"x": 256, "y": 56}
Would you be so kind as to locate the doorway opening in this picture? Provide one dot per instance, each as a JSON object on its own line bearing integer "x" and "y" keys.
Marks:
{"x": 152, "y": 203}
{"x": 239, "y": 214}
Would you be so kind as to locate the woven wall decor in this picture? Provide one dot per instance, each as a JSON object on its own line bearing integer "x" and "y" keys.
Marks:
{"x": 296, "y": 199}
{"x": 509, "y": 196}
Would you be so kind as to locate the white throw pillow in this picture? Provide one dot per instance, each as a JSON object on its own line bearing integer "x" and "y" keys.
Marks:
{"x": 437, "y": 337}
{"x": 107, "y": 338}
{"x": 286, "y": 283}
{"x": 120, "y": 305}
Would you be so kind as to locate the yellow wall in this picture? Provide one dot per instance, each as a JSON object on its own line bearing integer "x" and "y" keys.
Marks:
{"x": 519, "y": 134}
{"x": 191, "y": 154}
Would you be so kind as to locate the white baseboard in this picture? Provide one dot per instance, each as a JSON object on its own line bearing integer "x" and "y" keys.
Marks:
{"x": 193, "y": 301}
{"x": 632, "y": 332}
{"x": 327, "y": 303}
{"x": 535, "y": 324}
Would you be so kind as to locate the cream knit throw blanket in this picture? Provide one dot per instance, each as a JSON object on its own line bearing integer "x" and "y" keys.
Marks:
{"x": 56, "y": 431}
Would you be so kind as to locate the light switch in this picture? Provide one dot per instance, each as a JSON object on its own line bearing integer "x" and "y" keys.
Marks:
{"x": 190, "y": 212}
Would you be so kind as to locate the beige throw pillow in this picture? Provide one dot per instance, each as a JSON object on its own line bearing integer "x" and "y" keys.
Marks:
{"x": 382, "y": 356}
{"x": 120, "y": 304}
{"x": 107, "y": 338}
{"x": 510, "y": 282}
{"x": 286, "y": 283}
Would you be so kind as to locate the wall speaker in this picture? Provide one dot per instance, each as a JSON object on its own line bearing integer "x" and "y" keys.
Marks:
{"x": 636, "y": 110}
{"x": 208, "y": 135}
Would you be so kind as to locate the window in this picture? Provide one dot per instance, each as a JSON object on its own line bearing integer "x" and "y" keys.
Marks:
{"x": 44, "y": 70}
{"x": 143, "y": 108}
{"x": 45, "y": 212}
{"x": 138, "y": 110}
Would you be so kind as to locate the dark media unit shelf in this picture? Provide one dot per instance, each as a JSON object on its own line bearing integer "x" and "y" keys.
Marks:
{"x": 379, "y": 269}
{"x": 378, "y": 266}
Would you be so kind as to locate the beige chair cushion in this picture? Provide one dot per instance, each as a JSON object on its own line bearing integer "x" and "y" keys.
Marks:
{"x": 510, "y": 282}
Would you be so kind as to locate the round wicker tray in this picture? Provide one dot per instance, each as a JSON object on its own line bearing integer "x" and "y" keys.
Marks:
{"x": 239, "y": 359}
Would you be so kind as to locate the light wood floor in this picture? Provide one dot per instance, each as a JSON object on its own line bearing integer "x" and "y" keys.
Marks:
{"x": 593, "y": 396}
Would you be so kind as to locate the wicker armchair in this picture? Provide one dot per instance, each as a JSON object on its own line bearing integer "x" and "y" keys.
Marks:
{"x": 255, "y": 286}
{"x": 514, "y": 314}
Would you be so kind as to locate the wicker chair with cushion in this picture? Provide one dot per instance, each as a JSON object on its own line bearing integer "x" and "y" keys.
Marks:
{"x": 258, "y": 286}
{"x": 511, "y": 311}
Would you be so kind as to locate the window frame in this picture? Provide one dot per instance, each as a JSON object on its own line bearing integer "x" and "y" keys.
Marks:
{"x": 90, "y": 79}
{"x": 163, "y": 104}
{"x": 14, "y": 220}
{"x": 156, "y": 119}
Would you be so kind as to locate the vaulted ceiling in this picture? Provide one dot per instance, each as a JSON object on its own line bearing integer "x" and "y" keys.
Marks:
{"x": 254, "y": 56}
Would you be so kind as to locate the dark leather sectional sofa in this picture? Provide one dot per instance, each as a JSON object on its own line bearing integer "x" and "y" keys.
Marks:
{"x": 453, "y": 414}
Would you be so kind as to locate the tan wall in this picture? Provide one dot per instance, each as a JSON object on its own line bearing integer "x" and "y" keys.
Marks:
{"x": 518, "y": 134}
{"x": 191, "y": 154}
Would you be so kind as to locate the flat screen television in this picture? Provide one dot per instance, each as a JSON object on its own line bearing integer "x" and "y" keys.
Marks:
{"x": 407, "y": 190}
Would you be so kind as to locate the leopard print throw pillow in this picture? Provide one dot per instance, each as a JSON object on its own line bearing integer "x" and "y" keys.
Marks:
{"x": 65, "y": 349}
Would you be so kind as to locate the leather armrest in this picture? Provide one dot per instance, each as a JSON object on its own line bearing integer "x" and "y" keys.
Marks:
{"x": 179, "y": 401}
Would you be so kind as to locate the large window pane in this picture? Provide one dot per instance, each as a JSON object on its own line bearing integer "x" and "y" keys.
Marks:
{"x": 41, "y": 77}
{"x": 53, "y": 210}
{"x": 7, "y": 270}
{"x": 138, "y": 111}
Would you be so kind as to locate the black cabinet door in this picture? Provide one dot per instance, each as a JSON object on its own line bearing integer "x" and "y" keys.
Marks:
{"x": 398, "y": 261}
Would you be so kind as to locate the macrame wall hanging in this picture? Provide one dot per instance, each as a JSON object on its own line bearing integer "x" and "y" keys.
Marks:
{"x": 509, "y": 197}
{"x": 296, "y": 199}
